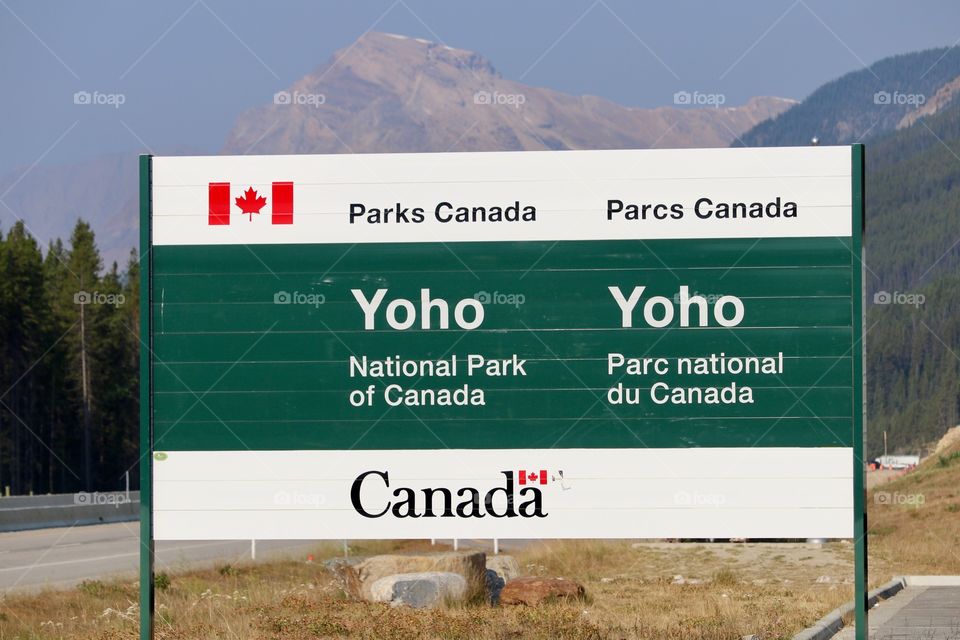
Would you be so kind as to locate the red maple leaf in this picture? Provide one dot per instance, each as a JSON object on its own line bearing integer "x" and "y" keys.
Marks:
{"x": 250, "y": 203}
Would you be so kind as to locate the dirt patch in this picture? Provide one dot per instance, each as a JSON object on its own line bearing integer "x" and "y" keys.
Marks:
{"x": 877, "y": 477}
{"x": 949, "y": 441}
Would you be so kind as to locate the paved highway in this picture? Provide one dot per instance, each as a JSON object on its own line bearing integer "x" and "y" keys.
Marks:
{"x": 65, "y": 556}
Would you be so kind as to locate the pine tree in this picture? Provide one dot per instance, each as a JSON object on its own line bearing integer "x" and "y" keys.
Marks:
{"x": 61, "y": 405}
{"x": 83, "y": 266}
{"x": 22, "y": 350}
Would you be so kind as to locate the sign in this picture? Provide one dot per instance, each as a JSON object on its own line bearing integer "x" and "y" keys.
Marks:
{"x": 585, "y": 344}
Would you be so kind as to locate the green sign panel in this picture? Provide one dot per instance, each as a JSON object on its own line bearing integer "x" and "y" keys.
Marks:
{"x": 538, "y": 344}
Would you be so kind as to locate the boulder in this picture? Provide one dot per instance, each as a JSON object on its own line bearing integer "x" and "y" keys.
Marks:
{"x": 357, "y": 579}
{"x": 494, "y": 585}
{"x": 500, "y": 569}
{"x": 419, "y": 590}
{"x": 504, "y": 566}
{"x": 534, "y": 591}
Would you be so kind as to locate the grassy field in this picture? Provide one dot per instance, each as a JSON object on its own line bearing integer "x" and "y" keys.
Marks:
{"x": 727, "y": 590}
{"x": 914, "y": 520}
{"x": 634, "y": 590}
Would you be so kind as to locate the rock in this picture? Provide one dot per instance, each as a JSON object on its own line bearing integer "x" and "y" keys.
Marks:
{"x": 340, "y": 567}
{"x": 333, "y": 564}
{"x": 494, "y": 585}
{"x": 534, "y": 591}
{"x": 419, "y": 590}
{"x": 504, "y": 566}
{"x": 346, "y": 574}
{"x": 357, "y": 579}
{"x": 823, "y": 579}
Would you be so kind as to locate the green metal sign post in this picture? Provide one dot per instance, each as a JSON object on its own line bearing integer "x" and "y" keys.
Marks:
{"x": 146, "y": 411}
{"x": 861, "y": 606}
{"x": 584, "y": 344}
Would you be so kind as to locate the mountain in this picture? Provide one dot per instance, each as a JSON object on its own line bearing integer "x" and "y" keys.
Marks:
{"x": 891, "y": 94}
{"x": 913, "y": 203}
{"x": 384, "y": 93}
{"x": 913, "y": 248}
{"x": 102, "y": 191}
{"x": 390, "y": 93}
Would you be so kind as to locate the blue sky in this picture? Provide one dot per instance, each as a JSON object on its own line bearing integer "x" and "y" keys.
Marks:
{"x": 186, "y": 68}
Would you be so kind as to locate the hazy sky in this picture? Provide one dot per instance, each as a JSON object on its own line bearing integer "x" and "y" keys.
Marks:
{"x": 186, "y": 68}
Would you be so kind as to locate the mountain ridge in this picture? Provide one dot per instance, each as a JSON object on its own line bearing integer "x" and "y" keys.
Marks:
{"x": 864, "y": 104}
{"x": 392, "y": 93}
{"x": 383, "y": 93}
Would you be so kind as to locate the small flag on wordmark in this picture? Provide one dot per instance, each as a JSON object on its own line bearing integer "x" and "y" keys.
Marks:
{"x": 533, "y": 477}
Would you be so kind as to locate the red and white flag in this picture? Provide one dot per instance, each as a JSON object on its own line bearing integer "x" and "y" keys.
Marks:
{"x": 532, "y": 477}
{"x": 250, "y": 203}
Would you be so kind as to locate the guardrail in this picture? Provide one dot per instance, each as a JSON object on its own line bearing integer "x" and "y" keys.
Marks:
{"x": 21, "y": 513}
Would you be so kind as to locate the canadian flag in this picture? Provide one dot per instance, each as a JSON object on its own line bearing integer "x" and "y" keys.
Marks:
{"x": 532, "y": 477}
{"x": 250, "y": 203}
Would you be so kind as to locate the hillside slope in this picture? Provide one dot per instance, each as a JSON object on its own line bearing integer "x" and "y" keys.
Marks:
{"x": 913, "y": 369}
{"x": 913, "y": 203}
{"x": 913, "y": 249}
{"x": 914, "y": 521}
{"x": 865, "y": 104}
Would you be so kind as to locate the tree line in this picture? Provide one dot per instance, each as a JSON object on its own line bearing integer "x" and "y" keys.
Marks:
{"x": 69, "y": 335}
{"x": 912, "y": 255}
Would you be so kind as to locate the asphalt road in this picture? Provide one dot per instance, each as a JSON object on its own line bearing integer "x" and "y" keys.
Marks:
{"x": 916, "y": 613}
{"x": 65, "y": 556}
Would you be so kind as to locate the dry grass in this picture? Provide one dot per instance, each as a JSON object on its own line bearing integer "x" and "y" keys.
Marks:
{"x": 631, "y": 594}
{"x": 727, "y": 590}
{"x": 914, "y": 521}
